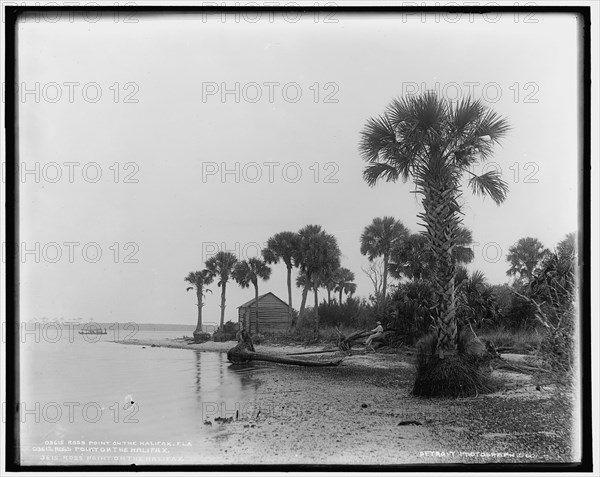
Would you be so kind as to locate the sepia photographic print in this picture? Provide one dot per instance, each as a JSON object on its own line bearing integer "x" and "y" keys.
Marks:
{"x": 299, "y": 237}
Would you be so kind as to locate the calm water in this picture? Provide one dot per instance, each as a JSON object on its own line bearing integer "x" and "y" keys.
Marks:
{"x": 76, "y": 401}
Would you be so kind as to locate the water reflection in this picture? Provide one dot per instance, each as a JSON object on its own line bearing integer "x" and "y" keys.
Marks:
{"x": 193, "y": 387}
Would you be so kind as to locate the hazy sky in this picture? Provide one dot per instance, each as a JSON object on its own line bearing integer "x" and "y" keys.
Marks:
{"x": 143, "y": 101}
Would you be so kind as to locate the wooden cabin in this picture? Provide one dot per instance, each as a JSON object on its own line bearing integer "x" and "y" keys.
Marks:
{"x": 272, "y": 314}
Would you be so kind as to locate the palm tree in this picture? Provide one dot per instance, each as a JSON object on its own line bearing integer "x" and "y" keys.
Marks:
{"x": 304, "y": 283}
{"x": 199, "y": 280}
{"x": 435, "y": 143}
{"x": 477, "y": 303}
{"x": 413, "y": 259}
{"x": 249, "y": 271}
{"x": 317, "y": 256}
{"x": 344, "y": 282}
{"x": 329, "y": 282}
{"x": 379, "y": 239}
{"x": 283, "y": 246}
{"x": 524, "y": 257}
{"x": 220, "y": 266}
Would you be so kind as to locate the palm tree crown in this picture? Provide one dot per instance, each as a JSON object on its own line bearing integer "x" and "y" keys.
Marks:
{"x": 344, "y": 282}
{"x": 525, "y": 256}
{"x": 379, "y": 239}
{"x": 430, "y": 140}
{"x": 199, "y": 280}
{"x": 283, "y": 246}
{"x": 249, "y": 272}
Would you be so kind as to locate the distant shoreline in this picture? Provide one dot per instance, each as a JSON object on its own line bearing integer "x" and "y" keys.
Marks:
{"x": 219, "y": 346}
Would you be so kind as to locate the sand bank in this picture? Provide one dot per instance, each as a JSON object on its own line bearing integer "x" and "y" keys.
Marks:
{"x": 362, "y": 412}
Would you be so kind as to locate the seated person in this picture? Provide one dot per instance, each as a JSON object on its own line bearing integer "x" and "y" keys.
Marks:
{"x": 378, "y": 331}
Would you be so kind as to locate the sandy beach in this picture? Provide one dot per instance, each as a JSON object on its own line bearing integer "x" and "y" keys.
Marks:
{"x": 362, "y": 412}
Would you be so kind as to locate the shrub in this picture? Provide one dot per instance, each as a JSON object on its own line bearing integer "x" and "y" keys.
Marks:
{"x": 201, "y": 337}
{"x": 353, "y": 313}
{"x": 229, "y": 332}
{"x": 413, "y": 301}
{"x": 514, "y": 312}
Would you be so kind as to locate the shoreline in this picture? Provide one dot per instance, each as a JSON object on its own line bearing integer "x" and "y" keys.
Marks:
{"x": 363, "y": 412}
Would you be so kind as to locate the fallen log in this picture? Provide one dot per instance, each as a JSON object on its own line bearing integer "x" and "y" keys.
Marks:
{"x": 244, "y": 352}
{"x": 243, "y": 356}
{"x": 314, "y": 352}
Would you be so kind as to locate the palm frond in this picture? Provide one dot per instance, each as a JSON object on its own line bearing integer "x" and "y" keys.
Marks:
{"x": 490, "y": 184}
{"x": 377, "y": 134}
{"x": 374, "y": 172}
{"x": 465, "y": 114}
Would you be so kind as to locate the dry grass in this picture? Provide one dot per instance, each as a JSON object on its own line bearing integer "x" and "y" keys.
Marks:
{"x": 464, "y": 374}
{"x": 519, "y": 341}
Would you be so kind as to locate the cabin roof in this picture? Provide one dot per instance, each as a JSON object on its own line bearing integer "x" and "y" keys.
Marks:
{"x": 260, "y": 297}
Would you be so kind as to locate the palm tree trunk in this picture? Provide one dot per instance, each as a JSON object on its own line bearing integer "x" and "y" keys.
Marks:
{"x": 256, "y": 303}
{"x": 198, "y": 329}
{"x": 328, "y": 296}
{"x": 341, "y": 290}
{"x": 223, "y": 305}
{"x": 316, "y": 309}
{"x": 302, "y": 305}
{"x": 441, "y": 222}
{"x": 386, "y": 259}
{"x": 289, "y": 285}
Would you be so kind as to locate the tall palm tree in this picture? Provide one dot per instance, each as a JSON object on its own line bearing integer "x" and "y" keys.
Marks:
{"x": 220, "y": 266}
{"x": 317, "y": 256}
{"x": 435, "y": 143}
{"x": 283, "y": 246}
{"x": 250, "y": 271}
{"x": 344, "y": 282}
{"x": 379, "y": 239}
{"x": 199, "y": 280}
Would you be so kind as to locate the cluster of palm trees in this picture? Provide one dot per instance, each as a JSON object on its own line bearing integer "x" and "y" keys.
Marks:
{"x": 312, "y": 250}
{"x": 222, "y": 267}
{"x": 408, "y": 258}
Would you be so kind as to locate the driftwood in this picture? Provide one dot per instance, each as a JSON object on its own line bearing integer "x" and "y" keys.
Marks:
{"x": 244, "y": 352}
{"x": 345, "y": 343}
{"x": 314, "y": 352}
